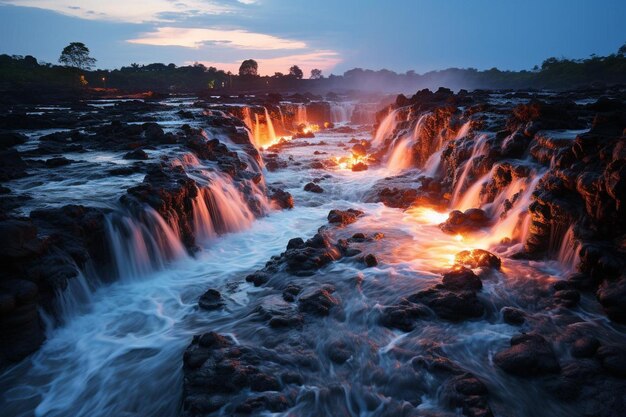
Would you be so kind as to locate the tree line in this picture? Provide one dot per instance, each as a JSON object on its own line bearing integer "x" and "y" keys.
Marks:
{"x": 77, "y": 72}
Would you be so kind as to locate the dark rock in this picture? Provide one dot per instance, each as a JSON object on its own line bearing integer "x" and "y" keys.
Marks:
{"x": 11, "y": 165}
{"x": 613, "y": 359}
{"x": 344, "y": 217}
{"x": 137, "y": 154}
{"x": 10, "y": 139}
{"x": 318, "y": 301}
{"x": 513, "y": 316}
{"x": 612, "y": 296}
{"x": 211, "y": 300}
{"x": 313, "y": 188}
{"x": 475, "y": 258}
{"x": 465, "y": 222}
{"x": 461, "y": 279}
{"x": 359, "y": 166}
{"x": 403, "y": 316}
{"x": 585, "y": 347}
{"x": 529, "y": 355}
{"x": 370, "y": 260}
{"x": 57, "y": 162}
{"x": 282, "y": 198}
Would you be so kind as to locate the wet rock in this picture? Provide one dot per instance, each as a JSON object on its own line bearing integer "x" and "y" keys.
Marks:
{"x": 137, "y": 154}
{"x": 313, "y": 188}
{"x": 529, "y": 355}
{"x": 370, "y": 260}
{"x": 461, "y": 279}
{"x": 57, "y": 162}
{"x": 613, "y": 359}
{"x": 339, "y": 351}
{"x": 344, "y": 217}
{"x": 468, "y": 393}
{"x": 359, "y": 166}
{"x": 10, "y": 139}
{"x": 291, "y": 292}
{"x": 281, "y": 198}
{"x": 513, "y": 316}
{"x": 612, "y": 296}
{"x": 567, "y": 298}
{"x": 258, "y": 278}
{"x": 465, "y": 222}
{"x": 452, "y": 306}
{"x": 476, "y": 258}
{"x": 585, "y": 347}
{"x": 11, "y": 165}
{"x": 319, "y": 301}
{"x": 211, "y": 300}
{"x": 403, "y": 316}
{"x": 125, "y": 170}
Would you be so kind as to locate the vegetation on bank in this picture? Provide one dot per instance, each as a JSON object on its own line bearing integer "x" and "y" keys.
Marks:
{"x": 26, "y": 73}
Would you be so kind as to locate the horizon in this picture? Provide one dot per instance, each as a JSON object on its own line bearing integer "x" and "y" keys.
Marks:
{"x": 222, "y": 33}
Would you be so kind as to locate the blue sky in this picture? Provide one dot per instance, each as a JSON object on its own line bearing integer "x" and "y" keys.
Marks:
{"x": 335, "y": 36}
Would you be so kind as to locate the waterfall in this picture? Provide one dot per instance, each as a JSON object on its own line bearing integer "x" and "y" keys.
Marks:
{"x": 271, "y": 134}
{"x": 569, "y": 252}
{"x": 386, "y": 128}
{"x": 220, "y": 208}
{"x": 141, "y": 244}
{"x": 341, "y": 112}
{"x": 301, "y": 116}
{"x": 478, "y": 150}
{"x": 401, "y": 155}
{"x": 282, "y": 118}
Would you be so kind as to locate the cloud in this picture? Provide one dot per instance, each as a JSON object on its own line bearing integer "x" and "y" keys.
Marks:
{"x": 197, "y": 37}
{"x": 325, "y": 60}
{"x": 129, "y": 11}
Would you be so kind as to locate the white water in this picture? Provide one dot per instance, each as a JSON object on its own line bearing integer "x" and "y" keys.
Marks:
{"x": 341, "y": 112}
{"x": 386, "y": 128}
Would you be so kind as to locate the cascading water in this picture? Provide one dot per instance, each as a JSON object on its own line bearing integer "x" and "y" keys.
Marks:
{"x": 341, "y": 112}
{"x": 569, "y": 252}
{"x": 142, "y": 243}
{"x": 401, "y": 156}
{"x": 386, "y": 128}
{"x": 301, "y": 116}
{"x": 478, "y": 149}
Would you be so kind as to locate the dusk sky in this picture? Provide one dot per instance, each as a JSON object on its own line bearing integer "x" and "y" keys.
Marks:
{"x": 332, "y": 35}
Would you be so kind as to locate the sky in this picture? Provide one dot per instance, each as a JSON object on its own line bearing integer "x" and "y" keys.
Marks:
{"x": 332, "y": 35}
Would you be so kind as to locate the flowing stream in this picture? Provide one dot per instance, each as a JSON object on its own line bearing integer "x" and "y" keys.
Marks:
{"x": 120, "y": 352}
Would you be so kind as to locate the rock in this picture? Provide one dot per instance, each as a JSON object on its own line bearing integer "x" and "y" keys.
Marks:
{"x": 313, "y": 188}
{"x": 467, "y": 392}
{"x": 476, "y": 258}
{"x": 211, "y": 300}
{"x": 344, "y": 217}
{"x": 137, "y": 154}
{"x": 11, "y": 165}
{"x": 281, "y": 198}
{"x": 513, "y": 316}
{"x": 465, "y": 222}
{"x": 57, "y": 162}
{"x": 567, "y": 298}
{"x": 370, "y": 260}
{"x": 613, "y": 359}
{"x": 403, "y": 315}
{"x": 318, "y": 302}
{"x": 585, "y": 347}
{"x": 529, "y": 355}
{"x": 359, "y": 166}
{"x": 612, "y": 296}
{"x": 359, "y": 150}
{"x": 10, "y": 139}
{"x": 448, "y": 305}
{"x": 461, "y": 279}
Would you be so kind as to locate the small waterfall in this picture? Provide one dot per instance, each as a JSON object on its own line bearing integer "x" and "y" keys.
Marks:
{"x": 431, "y": 167}
{"x": 220, "y": 208}
{"x": 247, "y": 118}
{"x": 341, "y": 112}
{"x": 471, "y": 197}
{"x": 401, "y": 154}
{"x": 478, "y": 150}
{"x": 509, "y": 225}
{"x": 301, "y": 116}
{"x": 401, "y": 157}
{"x": 141, "y": 244}
{"x": 386, "y": 128}
{"x": 282, "y": 118}
{"x": 569, "y": 252}
{"x": 271, "y": 133}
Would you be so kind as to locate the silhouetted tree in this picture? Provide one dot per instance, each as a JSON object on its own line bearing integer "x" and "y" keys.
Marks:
{"x": 76, "y": 55}
{"x": 278, "y": 75}
{"x": 249, "y": 67}
{"x": 316, "y": 74}
{"x": 296, "y": 72}
{"x": 622, "y": 50}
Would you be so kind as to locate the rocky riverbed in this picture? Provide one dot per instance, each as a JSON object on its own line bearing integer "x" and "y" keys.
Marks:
{"x": 449, "y": 254}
